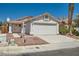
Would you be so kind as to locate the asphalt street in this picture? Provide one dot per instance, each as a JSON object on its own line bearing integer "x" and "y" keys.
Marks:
{"x": 62, "y": 52}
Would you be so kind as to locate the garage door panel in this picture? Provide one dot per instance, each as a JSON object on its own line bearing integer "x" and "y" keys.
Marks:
{"x": 44, "y": 29}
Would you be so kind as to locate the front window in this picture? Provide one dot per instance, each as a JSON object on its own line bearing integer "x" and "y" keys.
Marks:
{"x": 46, "y": 18}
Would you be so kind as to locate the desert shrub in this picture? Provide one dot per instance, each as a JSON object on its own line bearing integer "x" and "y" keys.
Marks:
{"x": 75, "y": 32}
{"x": 63, "y": 30}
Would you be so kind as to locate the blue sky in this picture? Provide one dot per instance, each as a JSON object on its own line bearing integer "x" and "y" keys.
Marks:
{"x": 15, "y": 11}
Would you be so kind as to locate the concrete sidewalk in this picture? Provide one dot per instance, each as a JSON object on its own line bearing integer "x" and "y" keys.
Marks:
{"x": 37, "y": 48}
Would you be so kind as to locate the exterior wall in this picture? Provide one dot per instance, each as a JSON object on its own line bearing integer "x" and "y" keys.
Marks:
{"x": 16, "y": 28}
{"x": 27, "y": 27}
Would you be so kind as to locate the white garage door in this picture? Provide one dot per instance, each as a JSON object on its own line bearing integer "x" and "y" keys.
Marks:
{"x": 44, "y": 29}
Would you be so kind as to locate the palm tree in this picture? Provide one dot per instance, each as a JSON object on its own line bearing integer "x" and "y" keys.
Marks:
{"x": 70, "y": 15}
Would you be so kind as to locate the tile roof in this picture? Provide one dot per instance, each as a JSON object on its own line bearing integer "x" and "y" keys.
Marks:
{"x": 29, "y": 18}
{"x": 15, "y": 22}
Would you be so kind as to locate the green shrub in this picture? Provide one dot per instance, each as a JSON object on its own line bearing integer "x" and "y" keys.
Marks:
{"x": 63, "y": 30}
{"x": 75, "y": 32}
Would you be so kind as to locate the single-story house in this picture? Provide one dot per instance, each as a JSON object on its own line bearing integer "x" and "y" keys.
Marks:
{"x": 42, "y": 24}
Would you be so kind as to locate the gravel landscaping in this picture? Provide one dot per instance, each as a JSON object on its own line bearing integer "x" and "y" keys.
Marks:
{"x": 26, "y": 40}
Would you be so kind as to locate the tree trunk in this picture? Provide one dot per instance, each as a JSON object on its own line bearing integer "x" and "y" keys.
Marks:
{"x": 70, "y": 14}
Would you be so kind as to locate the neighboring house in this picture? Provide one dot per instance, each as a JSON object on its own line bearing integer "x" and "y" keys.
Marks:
{"x": 42, "y": 24}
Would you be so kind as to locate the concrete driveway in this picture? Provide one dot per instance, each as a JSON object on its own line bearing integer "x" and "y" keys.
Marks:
{"x": 56, "y": 38}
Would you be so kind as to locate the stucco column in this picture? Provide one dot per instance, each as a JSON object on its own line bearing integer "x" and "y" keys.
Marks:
{"x": 57, "y": 28}
{"x": 23, "y": 28}
{"x": 10, "y": 28}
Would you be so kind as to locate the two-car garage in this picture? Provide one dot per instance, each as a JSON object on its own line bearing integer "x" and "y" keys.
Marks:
{"x": 44, "y": 28}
